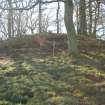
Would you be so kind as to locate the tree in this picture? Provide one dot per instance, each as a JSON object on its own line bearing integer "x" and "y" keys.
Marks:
{"x": 32, "y": 20}
{"x": 77, "y": 16}
{"x": 90, "y": 17}
{"x": 57, "y": 18}
{"x": 71, "y": 34}
{"x": 10, "y": 19}
{"x": 40, "y": 16}
{"x": 82, "y": 14}
{"x": 19, "y": 23}
{"x": 97, "y": 11}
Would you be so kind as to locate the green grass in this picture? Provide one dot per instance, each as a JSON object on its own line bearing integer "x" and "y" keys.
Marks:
{"x": 60, "y": 80}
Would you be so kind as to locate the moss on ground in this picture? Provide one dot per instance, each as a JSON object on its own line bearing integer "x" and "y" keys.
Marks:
{"x": 59, "y": 80}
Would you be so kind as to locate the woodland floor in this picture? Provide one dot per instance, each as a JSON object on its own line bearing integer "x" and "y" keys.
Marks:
{"x": 32, "y": 76}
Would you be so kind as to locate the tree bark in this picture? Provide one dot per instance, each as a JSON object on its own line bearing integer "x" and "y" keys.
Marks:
{"x": 19, "y": 23}
{"x": 77, "y": 19}
{"x": 40, "y": 16}
{"x": 97, "y": 11}
{"x": 57, "y": 18}
{"x": 71, "y": 33}
{"x": 83, "y": 23}
{"x": 10, "y": 19}
{"x": 90, "y": 17}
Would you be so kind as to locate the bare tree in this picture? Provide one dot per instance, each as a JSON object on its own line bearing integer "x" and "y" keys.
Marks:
{"x": 90, "y": 17}
{"x": 10, "y": 19}
{"x": 82, "y": 14}
{"x": 57, "y": 18}
{"x": 40, "y": 16}
{"x": 72, "y": 43}
{"x": 32, "y": 20}
{"x": 97, "y": 11}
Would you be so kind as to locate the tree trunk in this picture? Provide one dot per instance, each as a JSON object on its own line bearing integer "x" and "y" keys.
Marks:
{"x": 77, "y": 19}
{"x": 97, "y": 10}
{"x": 40, "y": 16}
{"x": 10, "y": 19}
{"x": 19, "y": 23}
{"x": 57, "y": 18}
{"x": 90, "y": 17}
{"x": 71, "y": 34}
{"x": 82, "y": 12}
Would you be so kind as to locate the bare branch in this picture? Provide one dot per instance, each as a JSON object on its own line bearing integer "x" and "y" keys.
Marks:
{"x": 28, "y": 7}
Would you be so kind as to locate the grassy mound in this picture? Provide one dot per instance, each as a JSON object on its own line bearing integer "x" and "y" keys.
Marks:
{"x": 61, "y": 80}
{"x": 32, "y": 76}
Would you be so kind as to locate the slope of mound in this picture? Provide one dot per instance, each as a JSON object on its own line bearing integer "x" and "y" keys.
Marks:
{"x": 33, "y": 76}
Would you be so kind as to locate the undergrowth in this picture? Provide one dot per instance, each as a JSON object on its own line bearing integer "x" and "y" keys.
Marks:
{"x": 59, "y": 80}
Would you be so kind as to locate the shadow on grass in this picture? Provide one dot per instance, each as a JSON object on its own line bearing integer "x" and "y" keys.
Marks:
{"x": 92, "y": 60}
